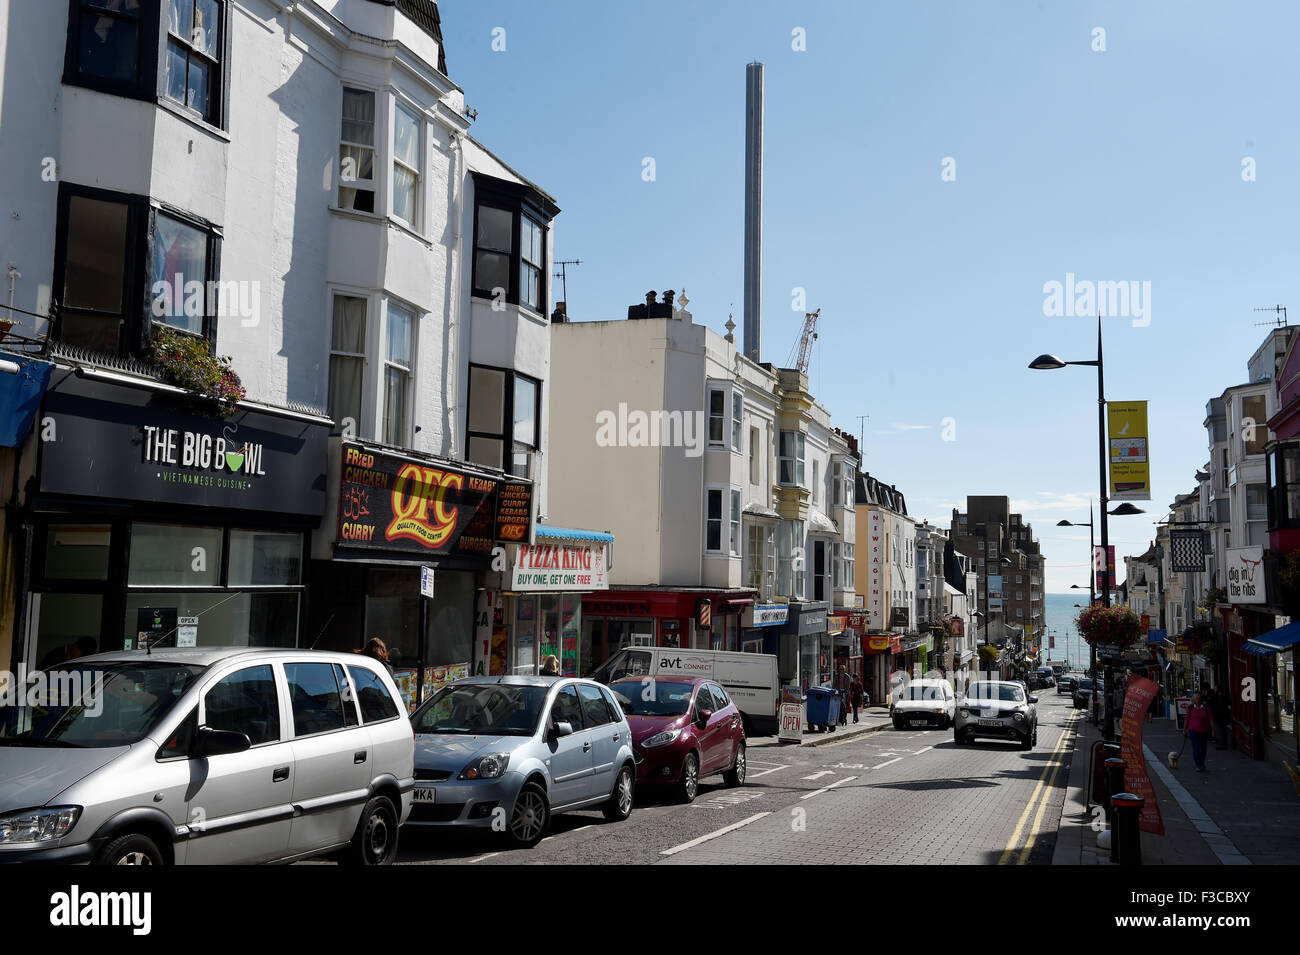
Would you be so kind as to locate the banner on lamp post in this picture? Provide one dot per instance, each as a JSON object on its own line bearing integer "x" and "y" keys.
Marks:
{"x": 1130, "y": 464}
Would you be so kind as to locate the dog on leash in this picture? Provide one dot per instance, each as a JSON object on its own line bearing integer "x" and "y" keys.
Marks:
{"x": 1173, "y": 760}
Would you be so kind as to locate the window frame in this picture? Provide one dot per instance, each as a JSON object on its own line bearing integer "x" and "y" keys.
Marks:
{"x": 364, "y": 415}
{"x": 357, "y": 184}
{"x": 737, "y": 421}
{"x": 797, "y": 460}
{"x": 507, "y": 435}
{"x": 215, "y": 114}
{"x": 409, "y": 372}
{"x": 415, "y": 223}
{"x": 518, "y": 200}
{"x": 720, "y": 520}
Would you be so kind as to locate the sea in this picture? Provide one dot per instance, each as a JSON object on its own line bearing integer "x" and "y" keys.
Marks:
{"x": 1060, "y": 612}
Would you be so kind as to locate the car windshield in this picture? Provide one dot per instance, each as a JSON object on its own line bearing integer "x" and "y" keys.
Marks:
{"x": 931, "y": 692}
{"x": 653, "y": 697}
{"x": 495, "y": 709}
{"x": 1003, "y": 692}
{"x": 1085, "y": 684}
{"x": 93, "y": 705}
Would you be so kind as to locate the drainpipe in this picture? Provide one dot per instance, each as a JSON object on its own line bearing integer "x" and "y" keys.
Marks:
{"x": 452, "y": 370}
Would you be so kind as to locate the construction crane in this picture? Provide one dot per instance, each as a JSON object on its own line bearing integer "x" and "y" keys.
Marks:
{"x": 806, "y": 338}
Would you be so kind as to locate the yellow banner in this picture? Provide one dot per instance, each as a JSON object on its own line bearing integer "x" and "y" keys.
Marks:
{"x": 1130, "y": 463}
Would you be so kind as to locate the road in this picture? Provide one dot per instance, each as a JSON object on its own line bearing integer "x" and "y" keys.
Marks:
{"x": 908, "y": 796}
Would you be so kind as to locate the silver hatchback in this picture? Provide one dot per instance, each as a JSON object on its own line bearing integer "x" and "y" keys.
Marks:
{"x": 205, "y": 755}
{"x": 997, "y": 709}
{"x": 507, "y": 752}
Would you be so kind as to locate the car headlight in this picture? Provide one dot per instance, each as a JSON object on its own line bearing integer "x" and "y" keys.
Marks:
{"x": 965, "y": 714}
{"x": 37, "y": 825}
{"x": 1020, "y": 716}
{"x": 661, "y": 739}
{"x": 487, "y": 767}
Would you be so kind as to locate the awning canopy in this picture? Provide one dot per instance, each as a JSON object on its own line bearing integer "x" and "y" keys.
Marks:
{"x": 1275, "y": 641}
{"x": 547, "y": 532}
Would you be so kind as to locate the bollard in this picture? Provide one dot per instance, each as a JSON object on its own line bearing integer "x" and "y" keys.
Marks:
{"x": 1126, "y": 843}
{"x": 1115, "y": 767}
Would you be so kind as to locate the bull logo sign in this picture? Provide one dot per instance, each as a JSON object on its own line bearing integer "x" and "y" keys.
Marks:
{"x": 1245, "y": 575}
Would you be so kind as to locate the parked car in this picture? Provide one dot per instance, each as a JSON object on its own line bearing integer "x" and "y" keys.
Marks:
{"x": 750, "y": 679}
{"x": 924, "y": 703}
{"x": 682, "y": 731}
{"x": 1046, "y": 677}
{"x": 1082, "y": 692}
{"x": 1065, "y": 684}
{"x": 207, "y": 755}
{"x": 997, "y": 709}
{"x": 509, "y": 752}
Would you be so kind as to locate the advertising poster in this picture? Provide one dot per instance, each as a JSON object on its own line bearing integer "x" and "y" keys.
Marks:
{"x": 1137, "y": 699}
{"x": 1244, "y": 569}
{"x": 995, "y": 592}
{"x": 1097, "y": 572}
{"x": 1130, "y": 466}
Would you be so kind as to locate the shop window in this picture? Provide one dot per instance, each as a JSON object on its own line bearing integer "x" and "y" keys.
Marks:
{"x": 498, "y": 396}
{"x": 314, "y": 693}
{"x": 357, "y": 151}
{"x": 248, "y": 618}
{"x": 193, "y": 74}
{"x": 245, "y": 702}
{"x": 64, "y": 626}
{"x": 348, "y": 364}
{"x": 526, "y": 660}
{"x": 406, "y": 166}
{"x": 77, "y": 552}
{"x": 173, "y": 555}
{"x": 265, "y": 558}
{"x": 399, "y": 348}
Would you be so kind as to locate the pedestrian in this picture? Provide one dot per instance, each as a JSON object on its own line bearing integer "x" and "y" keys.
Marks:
{"x": 842, "y": 683}
{"x": 376, "y": 649}
{"x": 855, "y": 696}
{"x": 550, "y": 665}
{"x": 1199, "y": 725}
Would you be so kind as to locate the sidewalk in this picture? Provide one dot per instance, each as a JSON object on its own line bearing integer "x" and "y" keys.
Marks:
{"x": 1239, "y": 812}
{"x": 873, "y": 719}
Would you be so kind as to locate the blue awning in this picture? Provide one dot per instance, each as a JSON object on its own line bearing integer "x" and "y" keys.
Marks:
{"x": 23, "y": 381}
{"x": 549, "y": 533}
{"x": 1275, "y": 641}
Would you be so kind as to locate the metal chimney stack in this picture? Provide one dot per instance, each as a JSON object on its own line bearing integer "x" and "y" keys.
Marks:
{"x": 753, "y": 315}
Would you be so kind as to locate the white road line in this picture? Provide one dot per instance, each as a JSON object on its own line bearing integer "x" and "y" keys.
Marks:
{"x": 824, "y": 772}
{"x": 766, "y": 771}
{"x": 838, "y": 782}
{"x": 888, "y": 762}
{"x": 920, "y": 751}
{"x": 481, "y": 858}
{"x": 713, "y": 835}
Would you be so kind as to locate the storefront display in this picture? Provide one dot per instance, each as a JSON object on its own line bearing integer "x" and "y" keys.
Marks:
{"x": 548, "y": 580}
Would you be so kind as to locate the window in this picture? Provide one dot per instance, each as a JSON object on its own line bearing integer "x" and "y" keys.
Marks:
{"x": 180, "y": 257}
{"x": 193, "y": 73}
{"x": 792, "y": 458}
{"x": 1256, "y": 502}
{"x": 180, "y": 741}
{"x": 265, "y": 558}
{"x": 397, "y": 375}
{"x": 704, "y": 701}
{"x": 713, "y": 520}
{"x": 594, "y": 707}
{"x": 532, "y": 262}
{"x": 754, "y": 542}
{"x": 376, "y": 702}
{"x": 753, "y": 456}
{"x": 737, "y": 410}
{"x": 837, "y": 565}
{"x": 816, "y": 498}
{"x": 347, "y": 362}
{"x": 717, "y": 415}
{"x": 349, "y": 696}
{"x": 314, "y": 692}
{"x": 357, "y": 151}
{"x": 792, "y": 560}
{"x": 104, "y": 42}
{"x": 96, "y": 240}
{"x": 735, "y": 524}
{"x": 246, "y": 702}
{"x": 849, "y": 567}
{"x": 491, "y": 392}
{"x": 494, "y": 246}
{"x": 1284, "y": 486}
{"x": 567, "y": 709}
{"x": 1254, "y": 429}
{"x": 170, "y": 555}
{"x": 406, "y": 165}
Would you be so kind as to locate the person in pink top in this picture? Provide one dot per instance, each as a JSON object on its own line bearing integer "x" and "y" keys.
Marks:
{"x": 1198, "y": 725}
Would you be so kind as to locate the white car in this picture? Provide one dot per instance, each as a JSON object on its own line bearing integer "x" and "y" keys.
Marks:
{"x": 924, "y": 703}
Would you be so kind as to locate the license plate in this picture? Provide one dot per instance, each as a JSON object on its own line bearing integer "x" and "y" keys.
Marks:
{"x": 918, "y": 722}
{"x": 423, "y": 794}
{"x": 990, "y": 722}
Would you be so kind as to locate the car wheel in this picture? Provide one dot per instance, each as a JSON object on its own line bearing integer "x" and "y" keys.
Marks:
{"x": 530, "y": 816}
{"x": 133, "y": 849}
{"x": 689, "y": 784}
{"x": 736, "y": 775}
{"x": 619, "y": 806}
{"x": 1027, "y": 742}
{"x": 1035, "y": 736}
{"x": 898, "y": 724}
{"x": 375, "y": 841}
{"x": 957, "y": 738}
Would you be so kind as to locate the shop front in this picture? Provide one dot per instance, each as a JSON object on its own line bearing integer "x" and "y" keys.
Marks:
{"x": 146, "y": 520}
{"x": 644, "y": 617}
{"x": 879, "y": 648}
{"x": 760, "y": 628}
{"x": 416, "y": 540}
{"x": 806, "y": 656}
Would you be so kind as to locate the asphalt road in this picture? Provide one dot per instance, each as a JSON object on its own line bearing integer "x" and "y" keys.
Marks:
{"x": 895, "y": 796}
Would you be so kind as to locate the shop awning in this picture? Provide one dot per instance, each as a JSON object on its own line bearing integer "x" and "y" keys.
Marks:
{"x": 1275, "y": 641}
{"x": 739, "y": 601}
{"x": 23, "y": 381}
{"x": 549, "y": 533}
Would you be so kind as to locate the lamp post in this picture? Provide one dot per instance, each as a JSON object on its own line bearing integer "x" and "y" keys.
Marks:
{"x": 1092, "y": 599}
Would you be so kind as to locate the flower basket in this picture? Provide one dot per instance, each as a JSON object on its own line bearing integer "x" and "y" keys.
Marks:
{"x": 187, "y": 362}
{"x": 1117, "y": 626}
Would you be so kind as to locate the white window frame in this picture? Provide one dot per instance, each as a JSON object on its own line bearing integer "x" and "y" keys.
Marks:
{"x": 409, "y": 372}
{"x": 737, "y": 524}
{"x": 364, "y": 412}
{"x": 720, "y": 418}
{"x": 737, "y": 421}
{"x": 720, "y": 490}
{"x": 797, "y": 461}
{"x": 753, "y": 456}
{"x": 417, "y": 190}
{"x": 367, "y": 185}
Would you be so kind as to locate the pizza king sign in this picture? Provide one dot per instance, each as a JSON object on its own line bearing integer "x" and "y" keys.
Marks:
{"x": 560, "y": 567}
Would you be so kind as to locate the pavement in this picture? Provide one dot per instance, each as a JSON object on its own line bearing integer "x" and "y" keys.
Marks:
{"x": 1239, "y": 812}
{"x": 872, "y": 719}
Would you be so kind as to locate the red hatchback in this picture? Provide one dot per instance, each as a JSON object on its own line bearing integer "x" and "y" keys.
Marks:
{"x": 682, "y": 731}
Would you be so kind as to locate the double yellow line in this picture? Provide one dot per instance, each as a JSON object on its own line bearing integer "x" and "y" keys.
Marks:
{"x": 1038, "y": 799}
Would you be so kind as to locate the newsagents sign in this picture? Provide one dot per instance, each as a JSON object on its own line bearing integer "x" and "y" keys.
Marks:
{"x": 107, "y": 440}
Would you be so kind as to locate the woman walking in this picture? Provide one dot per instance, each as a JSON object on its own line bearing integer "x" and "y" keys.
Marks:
{"x": 1198, "y": 725}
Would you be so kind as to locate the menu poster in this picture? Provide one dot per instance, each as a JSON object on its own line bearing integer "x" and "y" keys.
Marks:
{"x": 514, "y": 511}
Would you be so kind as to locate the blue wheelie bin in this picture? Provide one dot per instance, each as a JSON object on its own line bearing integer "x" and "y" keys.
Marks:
{"x": 823, "y": 708}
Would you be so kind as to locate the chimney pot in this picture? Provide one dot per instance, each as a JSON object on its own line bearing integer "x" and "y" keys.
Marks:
{"x": 668, "y": 297}
{"x": 650, "y": 297}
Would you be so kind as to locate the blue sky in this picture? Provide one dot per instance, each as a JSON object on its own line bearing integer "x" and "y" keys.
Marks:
{"x": 1116, "y": 166}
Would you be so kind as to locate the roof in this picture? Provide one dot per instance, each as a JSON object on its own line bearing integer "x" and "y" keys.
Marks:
{"x": 424, "y": 14}
{"x": 547, "y": 532}
{"x": 194, "y": 656}
{"x": 819, "y": 523}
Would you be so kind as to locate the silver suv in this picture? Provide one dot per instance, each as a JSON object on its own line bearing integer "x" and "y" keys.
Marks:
{"x": 997, "y": 709}
{"x": 208, "y": 755}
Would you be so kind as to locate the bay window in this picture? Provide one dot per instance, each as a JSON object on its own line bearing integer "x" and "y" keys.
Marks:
{"x": 511, "y": 222}
{"x": 791, "y": 464}
{"x": 347, "y": 362}
{"x": 406, "y": 165}
{"x": 193, "y": 73}
{"x": 357, "y": 151}
{"x": 399, "y": 347}
{"x": 713, "y": 520}
{"x": 503, "y": 419}
{"x": 1284, "y": 486}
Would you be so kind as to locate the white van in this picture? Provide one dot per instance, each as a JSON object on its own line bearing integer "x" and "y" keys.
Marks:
{"x": 750, "y": 678}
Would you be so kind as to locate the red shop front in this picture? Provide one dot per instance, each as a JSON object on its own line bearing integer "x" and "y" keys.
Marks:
{"x": 690, "y": 619}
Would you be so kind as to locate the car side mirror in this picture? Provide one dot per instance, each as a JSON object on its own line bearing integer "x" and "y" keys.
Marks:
{"x": 561, "y": 729}
{"x": 1033, "y": 699}
{"x": 215, "y": 742}
{"x": 703, "y": 717}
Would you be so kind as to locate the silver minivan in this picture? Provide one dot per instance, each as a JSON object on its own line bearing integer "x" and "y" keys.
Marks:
{"x": 205, "y": 755}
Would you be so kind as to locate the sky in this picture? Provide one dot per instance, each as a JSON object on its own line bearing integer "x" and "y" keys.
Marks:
{"x": 929, "y": 168}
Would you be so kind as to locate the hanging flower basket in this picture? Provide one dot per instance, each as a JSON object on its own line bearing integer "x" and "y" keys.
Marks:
{"x": 1117, "y": 626}
{"x": 187, "y": 362}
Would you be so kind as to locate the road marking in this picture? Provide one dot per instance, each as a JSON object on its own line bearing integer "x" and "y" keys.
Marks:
{"x": 838, "y": 782}
{"x": 824, "y": 772}
{"x": 920, "y": 751}
{"x": 766, "y": 771}
{"x": 481, "y": 858}
{"x": 888, "y": 762}
{"x": 1052, "y": 766}
{"x": 713, "y": 835}
{"x": 1042, "y": 806}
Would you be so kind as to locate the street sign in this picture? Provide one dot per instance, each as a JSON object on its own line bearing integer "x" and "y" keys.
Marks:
{"x": 426, "y": 581}
{"x": 791, "y": 730}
